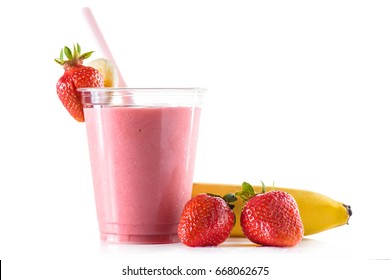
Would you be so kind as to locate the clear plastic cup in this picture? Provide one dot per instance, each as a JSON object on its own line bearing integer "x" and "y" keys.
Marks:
{"x": 142, "y": 146}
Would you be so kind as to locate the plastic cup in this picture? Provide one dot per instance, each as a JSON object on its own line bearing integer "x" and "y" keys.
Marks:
{"x": 142, "y": 146}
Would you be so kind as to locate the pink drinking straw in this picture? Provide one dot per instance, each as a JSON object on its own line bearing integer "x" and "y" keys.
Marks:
{"x": 102, "y": 42}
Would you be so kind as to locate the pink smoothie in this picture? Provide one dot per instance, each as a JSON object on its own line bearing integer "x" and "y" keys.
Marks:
{"x": 142, "y": 161}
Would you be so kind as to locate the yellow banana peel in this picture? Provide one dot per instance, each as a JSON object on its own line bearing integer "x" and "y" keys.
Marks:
{"x": 318, "y": 212}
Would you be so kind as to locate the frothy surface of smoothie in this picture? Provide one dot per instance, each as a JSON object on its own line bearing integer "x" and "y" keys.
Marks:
{"x": 142, "y": 161}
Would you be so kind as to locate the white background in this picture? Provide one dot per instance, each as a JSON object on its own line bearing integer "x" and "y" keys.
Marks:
{"x": 297, "y": 95}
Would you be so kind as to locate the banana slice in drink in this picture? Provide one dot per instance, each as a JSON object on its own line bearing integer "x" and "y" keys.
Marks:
{"x": 107, "y": 69}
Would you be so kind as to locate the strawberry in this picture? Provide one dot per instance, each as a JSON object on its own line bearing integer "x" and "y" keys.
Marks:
{"x": 270, "y": 219}
{"x": 206, "y": 220}
{"x": 76, "y": 76}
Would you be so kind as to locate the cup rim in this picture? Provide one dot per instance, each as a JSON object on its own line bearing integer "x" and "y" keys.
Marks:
{"x": 141, "y": 89}
{"x": 126, "y": 96}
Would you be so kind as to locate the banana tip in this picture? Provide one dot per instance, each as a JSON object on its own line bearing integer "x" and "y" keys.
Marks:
{"x": 349, "y": 210}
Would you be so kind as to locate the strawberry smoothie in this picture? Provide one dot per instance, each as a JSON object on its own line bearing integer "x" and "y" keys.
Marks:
{"x": 142, "y": 160}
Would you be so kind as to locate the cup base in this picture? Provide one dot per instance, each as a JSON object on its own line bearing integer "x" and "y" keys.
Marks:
{"x": 140, "y": 239}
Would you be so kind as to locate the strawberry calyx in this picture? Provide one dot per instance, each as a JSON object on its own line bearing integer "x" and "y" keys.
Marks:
{"x": 245, "y": 194}
{"x": 248, "y": 191}
{"x": 75, "y": 59}
{"x": 229, "y": 198}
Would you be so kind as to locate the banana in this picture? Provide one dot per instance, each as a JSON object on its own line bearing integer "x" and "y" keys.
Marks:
{"x": 318, "y": 212}
{"x": 107, "y": 69}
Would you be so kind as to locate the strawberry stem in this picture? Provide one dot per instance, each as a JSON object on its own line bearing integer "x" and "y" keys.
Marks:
{"x": 263, "y": 187}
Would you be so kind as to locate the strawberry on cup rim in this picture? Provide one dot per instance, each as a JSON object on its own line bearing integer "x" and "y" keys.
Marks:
{"x": 76, "y": 75}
